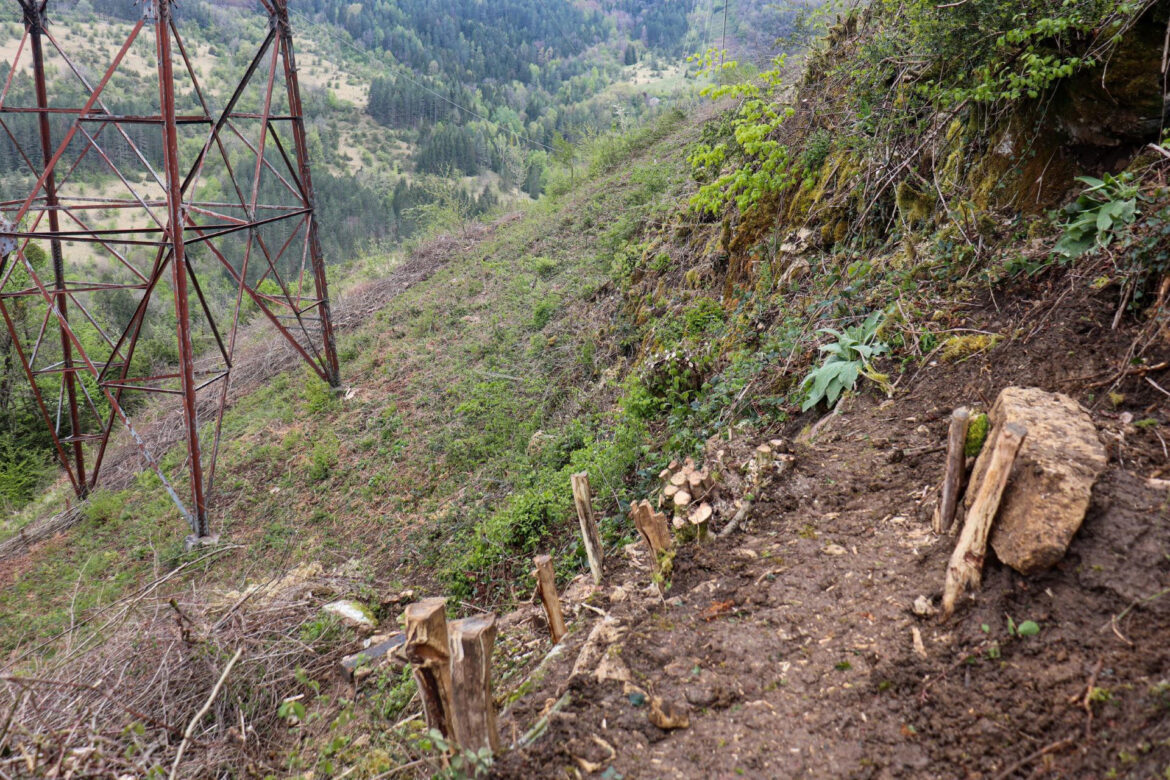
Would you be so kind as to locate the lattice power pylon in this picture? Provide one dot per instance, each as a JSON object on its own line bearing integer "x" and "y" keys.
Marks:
{"x": 137, "y": 217}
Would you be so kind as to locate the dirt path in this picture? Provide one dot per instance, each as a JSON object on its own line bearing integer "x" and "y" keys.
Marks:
{"x": 792, "y": 644}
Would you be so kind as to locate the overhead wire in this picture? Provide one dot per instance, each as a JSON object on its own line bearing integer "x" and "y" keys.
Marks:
{"x": 723, "y": 43}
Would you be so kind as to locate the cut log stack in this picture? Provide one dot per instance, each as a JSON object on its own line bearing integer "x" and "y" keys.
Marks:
{"x": 686, "y": 494}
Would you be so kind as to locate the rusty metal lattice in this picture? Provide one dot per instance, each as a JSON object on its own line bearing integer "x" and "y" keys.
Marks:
{"x": 199, "y": 194}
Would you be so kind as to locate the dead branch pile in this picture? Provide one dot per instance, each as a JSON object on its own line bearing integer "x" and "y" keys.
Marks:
{"x": 38, "y": 532}
{"x": 167, "y": 684}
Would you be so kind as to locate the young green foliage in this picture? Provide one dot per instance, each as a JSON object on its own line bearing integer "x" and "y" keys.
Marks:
{"x": 753, "y": 162}
{"x": 847, "y": 359}
{"x": 1099, "y": 214}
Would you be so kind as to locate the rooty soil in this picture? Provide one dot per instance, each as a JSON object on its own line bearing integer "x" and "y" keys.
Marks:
{"x": 792, "y": 642}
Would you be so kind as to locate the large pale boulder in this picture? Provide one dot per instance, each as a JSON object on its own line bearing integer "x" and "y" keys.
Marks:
{"x": 1052, "y": 481}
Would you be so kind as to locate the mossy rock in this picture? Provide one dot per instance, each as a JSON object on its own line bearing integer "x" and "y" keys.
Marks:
{"x": 834, "y": 232}
{"x": 1119, "y": 102}
{"x": 915, "y": 207}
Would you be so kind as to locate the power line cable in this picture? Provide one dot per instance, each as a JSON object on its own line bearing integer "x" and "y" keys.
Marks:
{"x": 705, "y": 40}
{"x": 723, "y": 43}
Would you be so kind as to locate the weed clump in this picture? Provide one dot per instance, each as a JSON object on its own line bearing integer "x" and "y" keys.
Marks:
{"x": 959, "y": 348}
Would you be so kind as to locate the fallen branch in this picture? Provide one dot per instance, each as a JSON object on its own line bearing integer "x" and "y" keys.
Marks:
{"x": 1158, "y": 147}
{"x": 736, "y": 519}
{"x": 778, "y": 465}
{"x": 541, "y": 725}
{"x": 1115, "y": 621}
{"x": 1023, "y": 762}
{"x": 199, "y": 715}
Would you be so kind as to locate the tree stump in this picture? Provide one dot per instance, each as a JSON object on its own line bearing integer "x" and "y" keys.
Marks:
{"x": 652, "y": 527}
{"x": 427, "y": 650}
{"x": 473, "y": 711}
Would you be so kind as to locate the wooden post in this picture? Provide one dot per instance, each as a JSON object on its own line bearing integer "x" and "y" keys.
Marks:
{"x": 966, "y": 566}
{"x": 764, "y": 460}
{"x": 426, "y": 649}
{"x": 546, "y": 588}
{"x": 583, "y": 499}
{"x": 948, "y": 502}
{"x": 473, "y": 711}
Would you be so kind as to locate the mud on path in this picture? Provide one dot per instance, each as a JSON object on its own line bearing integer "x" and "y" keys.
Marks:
{"x": 792, "y": 645}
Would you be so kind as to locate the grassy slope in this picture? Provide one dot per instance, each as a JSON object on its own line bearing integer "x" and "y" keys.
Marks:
{"x": 450, "y": 382}
{"x": 477, "y": 391}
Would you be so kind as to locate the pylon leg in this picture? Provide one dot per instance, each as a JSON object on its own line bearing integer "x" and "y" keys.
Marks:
{"x": 96, "y": 369}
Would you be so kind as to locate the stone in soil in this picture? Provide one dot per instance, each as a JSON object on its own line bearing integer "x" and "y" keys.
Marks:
{"x": 1052, "y": 481}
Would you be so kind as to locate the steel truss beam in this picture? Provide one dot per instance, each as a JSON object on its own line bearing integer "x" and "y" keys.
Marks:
{"x": 261, "y": 238}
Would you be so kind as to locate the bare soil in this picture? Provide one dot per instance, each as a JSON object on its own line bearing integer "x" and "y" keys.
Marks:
{"x": 791, "y": 643}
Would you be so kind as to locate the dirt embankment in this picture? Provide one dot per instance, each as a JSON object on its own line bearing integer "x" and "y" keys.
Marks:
{"x": 792, "y": 644}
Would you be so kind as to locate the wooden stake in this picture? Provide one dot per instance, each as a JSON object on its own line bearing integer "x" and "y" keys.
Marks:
{"x": 546, "y": 588}
{"x": 764, "y": 461}
{"x": 583, "y": 499}
{"x": 426, "y": 649}
{"x": 966, "y": 566}
{"x": 948, "y": 502}
{"x": 473, "y": 711}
